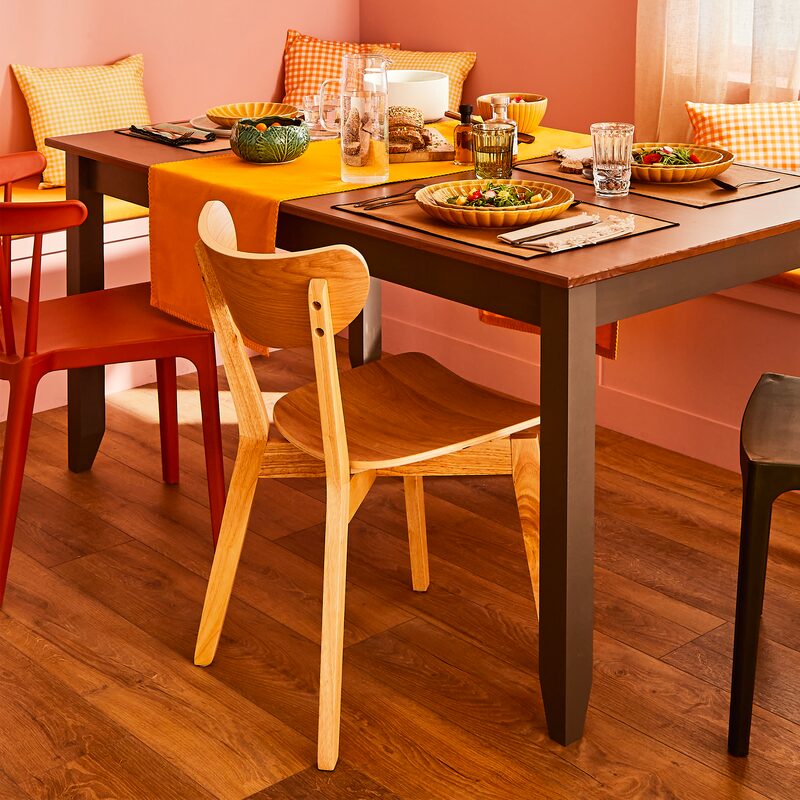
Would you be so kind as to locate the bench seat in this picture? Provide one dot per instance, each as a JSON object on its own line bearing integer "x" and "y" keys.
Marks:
{"x": 115, "y": 210}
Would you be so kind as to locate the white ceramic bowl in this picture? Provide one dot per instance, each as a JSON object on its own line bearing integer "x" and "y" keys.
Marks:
{"x": 420, "y": 88}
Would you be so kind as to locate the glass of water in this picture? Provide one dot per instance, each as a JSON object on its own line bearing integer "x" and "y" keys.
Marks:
{"x": 493, "y": 147}
{"x": 312, "y": 106}
{"x": 611, "y": 149}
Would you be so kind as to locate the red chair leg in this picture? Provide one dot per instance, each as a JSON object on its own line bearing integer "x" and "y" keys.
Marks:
{"x": 168, "y": 418}
{"x": 15, "y": 450}
{"x": 212, "y": 435}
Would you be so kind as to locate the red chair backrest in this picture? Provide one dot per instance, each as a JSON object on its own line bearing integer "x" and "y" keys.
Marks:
{"x": 28, "y": 219}
{"x": 18, "y": 166}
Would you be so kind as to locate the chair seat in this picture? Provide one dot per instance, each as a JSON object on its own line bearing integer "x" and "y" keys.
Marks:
{"x": 101, "y": 321}
{"x": 403, "y": 409}
{"x": 771, "y": 423}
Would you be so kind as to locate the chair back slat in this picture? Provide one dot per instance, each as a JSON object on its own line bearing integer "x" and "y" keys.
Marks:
{"x": 18, "y": 166}
{"x": 267, "y": 294}
{"x": 30, "y": 219}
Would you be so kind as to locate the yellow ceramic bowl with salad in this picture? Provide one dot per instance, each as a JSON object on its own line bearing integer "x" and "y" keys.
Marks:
{"x": 498, "y": 204}
{"x": 660, "y": 162}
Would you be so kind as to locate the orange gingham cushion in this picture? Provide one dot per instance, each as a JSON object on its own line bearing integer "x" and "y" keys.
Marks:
{"x": 455, "y": 65}
{"x": 309, "y": 61}
{"x": 66, "y": 100}
{"x": 767, "y": 134}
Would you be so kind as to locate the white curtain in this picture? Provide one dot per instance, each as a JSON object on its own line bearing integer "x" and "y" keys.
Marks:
{"x": 711, "y": 51}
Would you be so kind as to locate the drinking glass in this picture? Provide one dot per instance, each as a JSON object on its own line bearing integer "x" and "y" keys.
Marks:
{"x": 493, "y": 147}
{"x": 611, "y": 151}
{"x": 328, "y": 106}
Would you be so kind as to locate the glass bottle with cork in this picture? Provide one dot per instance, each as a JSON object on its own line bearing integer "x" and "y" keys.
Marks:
{"x": 500, "y": 114}
{"x": 462, "y": 137}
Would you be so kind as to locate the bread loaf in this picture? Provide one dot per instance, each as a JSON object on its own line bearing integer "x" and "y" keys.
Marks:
{"x": 405, "y": 116}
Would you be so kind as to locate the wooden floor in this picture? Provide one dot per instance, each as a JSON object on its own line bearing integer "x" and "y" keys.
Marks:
{"x": 441, "y": 699}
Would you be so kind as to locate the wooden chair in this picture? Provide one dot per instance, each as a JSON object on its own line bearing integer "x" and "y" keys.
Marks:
{"x": 770, "y": 458}
{"x": 404, "y": 415}
{"x": 86, "y": 330}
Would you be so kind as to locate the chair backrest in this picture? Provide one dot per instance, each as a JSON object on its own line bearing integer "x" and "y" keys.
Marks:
{"x": 267, "y": 293}
{"x": 29, "y": 219}
{"x": 279, "y": 300}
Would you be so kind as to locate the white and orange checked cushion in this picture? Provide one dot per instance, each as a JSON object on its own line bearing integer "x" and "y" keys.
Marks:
{"x": 455, "y": 65}
{"x": 67, "y": 100}
{"x": 767, "y": 134}
{"x": 309, "y": 61}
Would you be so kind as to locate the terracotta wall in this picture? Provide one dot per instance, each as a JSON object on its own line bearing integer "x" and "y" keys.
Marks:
{"x": 580, "y": 54}
{"x": 196, "y": 54}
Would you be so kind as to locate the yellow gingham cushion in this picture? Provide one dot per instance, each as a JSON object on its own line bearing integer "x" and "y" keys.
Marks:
{"x": 767, "y": 134}
{"x": 309, "y": 61}
{"x": 66, "y": 100}
{"x": 455, "y": 65}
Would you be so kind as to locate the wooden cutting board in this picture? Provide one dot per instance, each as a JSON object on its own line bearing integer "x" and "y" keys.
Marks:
{"x": 440, "y": 149}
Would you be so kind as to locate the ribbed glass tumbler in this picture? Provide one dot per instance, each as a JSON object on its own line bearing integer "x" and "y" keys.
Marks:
{"x": 611, "y": 149}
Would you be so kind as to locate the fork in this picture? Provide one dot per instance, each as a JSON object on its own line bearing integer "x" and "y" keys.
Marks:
{"x": 388, "y": 196}
{"x": 733, "y": 187}
{"x": 384, "y": 202}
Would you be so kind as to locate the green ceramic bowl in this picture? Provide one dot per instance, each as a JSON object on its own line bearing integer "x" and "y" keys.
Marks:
{"x": 276, "y": 145}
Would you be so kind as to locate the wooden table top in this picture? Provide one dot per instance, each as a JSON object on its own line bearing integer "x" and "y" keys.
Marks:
{"x": 698, "y": 230}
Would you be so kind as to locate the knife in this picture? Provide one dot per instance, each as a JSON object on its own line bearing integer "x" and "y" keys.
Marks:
{"x": 525, "y": 138}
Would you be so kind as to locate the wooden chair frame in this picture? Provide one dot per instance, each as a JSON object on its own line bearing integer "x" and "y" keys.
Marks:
{"x": 261, "y": 455}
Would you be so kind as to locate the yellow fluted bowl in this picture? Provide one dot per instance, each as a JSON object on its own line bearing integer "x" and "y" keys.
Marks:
{"x": 713, "y": 162}
{"x": 228, "y": 114}
{"x": 426, "y": 198}
{"x": 528, "y": 114}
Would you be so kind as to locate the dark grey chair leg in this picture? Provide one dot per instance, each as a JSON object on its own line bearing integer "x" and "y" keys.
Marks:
{"x": 753, "y": 549}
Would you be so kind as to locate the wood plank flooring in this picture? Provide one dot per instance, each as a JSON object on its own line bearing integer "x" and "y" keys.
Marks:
{"x": 441, "y": 697}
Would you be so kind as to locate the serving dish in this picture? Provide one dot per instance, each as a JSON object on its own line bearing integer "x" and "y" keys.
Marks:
{"x": 424, "y": 89}
{"x": 226, "y": 115}
{"x": 280, "y": 141}
{"x": 713, "y": 161}
{"x": 467, "y": 187}
{"x": 560, "y": 200}
{"x": 528, "y": 114}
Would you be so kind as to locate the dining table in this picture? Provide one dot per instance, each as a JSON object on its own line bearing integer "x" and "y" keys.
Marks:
{"x": 567, "y": 294}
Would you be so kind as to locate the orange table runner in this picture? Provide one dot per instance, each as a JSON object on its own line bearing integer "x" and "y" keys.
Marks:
{"x": 253, "y": 193}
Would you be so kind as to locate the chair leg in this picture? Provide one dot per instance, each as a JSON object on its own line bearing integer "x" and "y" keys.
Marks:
{"x": 212, "y": 437}
{"x": 333, "y": 601}
{"x": 525, "y": 472}
{"x": 168, "y": 418}
{"x": 229, "y": 549}
{"x": 15, "y": 451}
{"x": 753, "y": 549}
{"x": 417, "y": 533}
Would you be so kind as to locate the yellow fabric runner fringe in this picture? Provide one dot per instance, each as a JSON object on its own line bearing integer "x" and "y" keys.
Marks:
{"x": 252, "y": 192}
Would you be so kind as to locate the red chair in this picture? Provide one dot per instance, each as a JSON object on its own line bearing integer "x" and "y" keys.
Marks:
{"x": 86, "y": 330}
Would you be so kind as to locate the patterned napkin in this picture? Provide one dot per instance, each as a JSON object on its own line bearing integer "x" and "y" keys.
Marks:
{"x": 582, "y": 232}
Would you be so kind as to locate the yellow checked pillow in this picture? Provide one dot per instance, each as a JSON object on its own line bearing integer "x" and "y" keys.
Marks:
{"x": 309, "y": 61}
{"x": 67, "y": 100}
{"x": 455, "y": 65}
{"x": 767, "y": 134}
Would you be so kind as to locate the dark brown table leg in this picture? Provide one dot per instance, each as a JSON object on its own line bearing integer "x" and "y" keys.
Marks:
{"x": 365, "y": 331}
{"x": 86, "y": 413}
{"x": 567, "y": 507}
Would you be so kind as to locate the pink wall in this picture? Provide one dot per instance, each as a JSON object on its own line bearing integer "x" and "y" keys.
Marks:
{"x": 196, "y": 54}
{"x": 579, "y": 53}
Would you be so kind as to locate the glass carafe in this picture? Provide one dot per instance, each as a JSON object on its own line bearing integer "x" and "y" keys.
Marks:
{"x": 363, "y": 119}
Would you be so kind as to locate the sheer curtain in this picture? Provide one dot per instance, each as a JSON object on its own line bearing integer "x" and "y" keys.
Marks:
{"x": 712, "y": 51}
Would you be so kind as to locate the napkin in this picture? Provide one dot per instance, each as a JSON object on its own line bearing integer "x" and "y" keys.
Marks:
{"x": 583, "y": 154}
{"x": 596, "y": 231}
{"x": 175, "y": 135}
